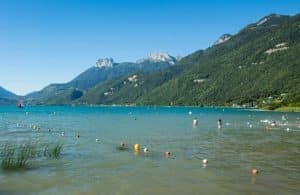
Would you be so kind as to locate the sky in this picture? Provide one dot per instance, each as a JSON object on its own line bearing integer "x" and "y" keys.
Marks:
{"x": 52, "y": 41}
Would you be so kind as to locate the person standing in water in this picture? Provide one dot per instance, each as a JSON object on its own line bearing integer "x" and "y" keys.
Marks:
{"x": 219, "y": 123}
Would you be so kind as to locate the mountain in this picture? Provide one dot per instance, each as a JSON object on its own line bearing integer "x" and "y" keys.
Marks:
{"x": 7, "y": 97}
{"x": 104, "y": 69}
{"x": 223, "y": 39}
{"x": 259, "y": 66}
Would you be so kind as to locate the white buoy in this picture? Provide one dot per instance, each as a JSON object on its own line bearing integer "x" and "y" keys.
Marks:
{"x": 146, "y": 150}
{"x": 250, "y": 126}
{"x": 287, "y": 129}
{"x": 205, "y": 161}
{"x": 190, "y": 113}
{"x": 195, "y": 122}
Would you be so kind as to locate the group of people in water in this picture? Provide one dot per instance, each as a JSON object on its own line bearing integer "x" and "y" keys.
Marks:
{"x": 137, "y": 149}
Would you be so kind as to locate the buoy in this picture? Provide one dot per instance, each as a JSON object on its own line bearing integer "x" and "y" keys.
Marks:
{"x": 137, "y": 147}
{"x": 146, "y": 150}
{"x": 195, "y": 122}
{"x": 97, "y": 140}
{"x": 167, "y": 154}
{"x": 287, "y": 129}
{"x": 254, "y": 171}
{"x": 190, "y": 113}
{"x": 204, "y": 161}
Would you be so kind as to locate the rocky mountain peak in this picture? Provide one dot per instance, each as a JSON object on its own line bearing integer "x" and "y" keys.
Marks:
{"x": 223, "y": 38}
{"x": 159, "y": 57}
{"x": 105, "y": 62}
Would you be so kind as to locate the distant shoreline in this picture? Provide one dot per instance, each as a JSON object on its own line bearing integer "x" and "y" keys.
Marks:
{"x": 280, "y": 109}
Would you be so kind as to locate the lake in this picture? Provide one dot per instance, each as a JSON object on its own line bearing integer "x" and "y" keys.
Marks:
{"x": 93, "y": 164}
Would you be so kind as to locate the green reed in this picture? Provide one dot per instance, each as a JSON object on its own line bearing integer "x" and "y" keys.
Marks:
{"x": 53, "y": 151}
{"x": 20, "y": 156}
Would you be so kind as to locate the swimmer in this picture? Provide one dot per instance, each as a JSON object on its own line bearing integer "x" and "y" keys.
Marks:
{"x": 168, "y": 154}
{"x": 122, "y": 146}
{"x": 254, "y": 171}
{"x": 219, "y": 123}
{"x": 273, "y": 124}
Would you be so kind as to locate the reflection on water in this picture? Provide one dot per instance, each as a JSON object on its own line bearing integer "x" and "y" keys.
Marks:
{"x": 93, "y": 164}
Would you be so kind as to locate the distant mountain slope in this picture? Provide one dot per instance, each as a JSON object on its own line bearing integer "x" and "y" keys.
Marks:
{"x": 7, "y": 97}
{"x": 7, "y": 94}
{"x": 105, "y": 69}
{"x": 259, "y": 65}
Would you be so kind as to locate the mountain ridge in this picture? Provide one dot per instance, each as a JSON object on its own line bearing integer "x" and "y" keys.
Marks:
{"x": 260, "y": 62}
{"x": 104, "y": 69}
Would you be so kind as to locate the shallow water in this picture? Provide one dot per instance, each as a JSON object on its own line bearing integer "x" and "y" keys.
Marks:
{"x": 90, "y": 167}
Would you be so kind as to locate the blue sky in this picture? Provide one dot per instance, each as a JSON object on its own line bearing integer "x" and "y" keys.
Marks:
{"x": 43, "y": 42}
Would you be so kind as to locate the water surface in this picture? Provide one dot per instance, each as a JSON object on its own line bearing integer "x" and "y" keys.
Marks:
{"x": 91, "y": 167}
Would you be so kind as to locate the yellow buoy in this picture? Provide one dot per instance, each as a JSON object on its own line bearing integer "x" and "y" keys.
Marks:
{"x": 137, "y": 147}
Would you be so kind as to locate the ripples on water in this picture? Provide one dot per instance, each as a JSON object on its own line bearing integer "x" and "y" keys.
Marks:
{"x": 94, "y": 167}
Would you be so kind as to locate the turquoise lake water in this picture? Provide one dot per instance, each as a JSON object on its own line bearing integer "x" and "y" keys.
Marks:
{"x": 245, "y": 141}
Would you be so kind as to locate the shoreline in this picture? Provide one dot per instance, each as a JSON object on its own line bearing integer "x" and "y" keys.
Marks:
{"x": 280, "y": 109}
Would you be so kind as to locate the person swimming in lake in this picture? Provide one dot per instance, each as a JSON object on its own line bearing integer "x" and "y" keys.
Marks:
{"x": 20, "y": 104}
{"x": 273, "y": 124}
{"x": 122, "y": 146}
{"x": 219, "y": 123}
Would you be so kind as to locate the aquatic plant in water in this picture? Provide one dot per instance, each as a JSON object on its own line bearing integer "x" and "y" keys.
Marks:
{"x": 18, "y": 156}
{"x": 54, "y": 151}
